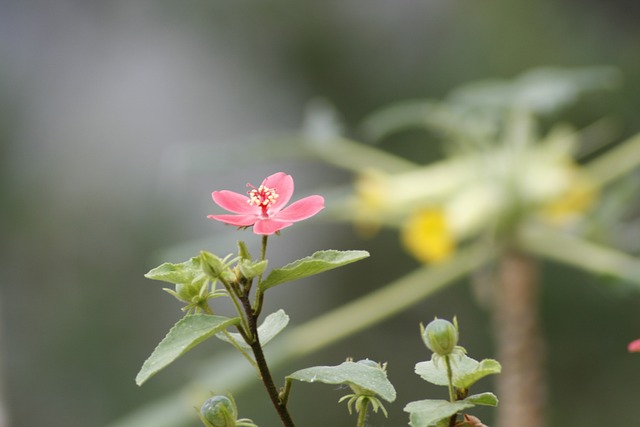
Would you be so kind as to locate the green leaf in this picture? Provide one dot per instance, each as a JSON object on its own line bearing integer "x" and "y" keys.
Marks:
{"x": 466, "y": 371}
{"x": 272, "y": 325}
{"x": 190, "y": 331}
{"x": 308, "y": 266}
{"x": 350, "y": 373}
{"x": 185, "y": 272}
{"x": 426, "y": 413}
{"x": 486, "y": 399}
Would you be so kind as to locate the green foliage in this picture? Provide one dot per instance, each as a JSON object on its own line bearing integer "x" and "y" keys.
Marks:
{"x": 183, "y": 273}
{"x": 317, "y": 263}
{"x": 467, "y": 371}
{"x": 458, "y": 372}
{"x": 428, "y": 413}
{"x": 272, "y": 325}
{"x": 369, "y": 379}
{"x": 190, "y": 331}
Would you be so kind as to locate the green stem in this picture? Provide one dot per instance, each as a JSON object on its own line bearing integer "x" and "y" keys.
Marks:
{"x": 259, "y": 297}
{"x": 452, "y": 393}
{"x": 244, "y": 327}
{"x": 362, "y": 415}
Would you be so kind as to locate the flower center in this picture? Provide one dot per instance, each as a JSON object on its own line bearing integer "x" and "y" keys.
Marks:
{"x": 263, "y": 197}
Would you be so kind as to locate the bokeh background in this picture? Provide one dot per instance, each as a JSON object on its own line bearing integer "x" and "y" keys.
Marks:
{"x": 118, "y": 118}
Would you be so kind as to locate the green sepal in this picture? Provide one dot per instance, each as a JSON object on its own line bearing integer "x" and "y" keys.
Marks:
{"x": 190, "y": 331}
{"x": 317, "y": 263}
{"x": 270, "y": 327}
{"x": 185, "y": 272}
{"x": 362, "y": 376}
{"x": 467, "y": 371}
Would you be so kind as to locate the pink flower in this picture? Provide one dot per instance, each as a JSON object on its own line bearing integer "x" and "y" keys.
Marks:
{"x": 634, "y": 346}
{"x": 264, "y": 209}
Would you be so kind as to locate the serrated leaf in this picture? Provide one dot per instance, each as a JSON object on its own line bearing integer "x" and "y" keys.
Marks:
{"x": 350, "y": 373}
{"x": 317, "y": 263}
{"x": 466, "y": 371}
{"x": 426, "y": 413}
{"x": 184, "y": 272}
{"x": 190, "y": 331}
{"x": 272, "y": 325}
{"x": 486, "y": 399}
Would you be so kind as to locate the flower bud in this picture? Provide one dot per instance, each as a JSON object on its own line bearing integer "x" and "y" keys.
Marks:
{"x": 186, "y": 291}
{"x": 211, "y": 264}
{"x": 219, "y": 411}
{"x": 440, "y": 336}
{"x": 250, "y": 269}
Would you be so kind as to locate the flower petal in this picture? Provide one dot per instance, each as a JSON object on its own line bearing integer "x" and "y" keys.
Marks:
{"x": 302, "y": 209}
{"x": 634, "y": 346}
{"x": 234, "y": 202}
{"x": 239, "y": 220}
{"x": 269, "y": 226}
{"x": 283, "y": 184}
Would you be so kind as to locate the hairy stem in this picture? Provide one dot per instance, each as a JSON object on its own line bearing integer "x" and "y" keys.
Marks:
{"x": 362, "y": 415}
{"x": 265, "y": 374}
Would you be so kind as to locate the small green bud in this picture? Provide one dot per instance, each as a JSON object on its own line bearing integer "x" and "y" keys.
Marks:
{"x": 211, "y": 264}
{"x": 250, "y": 269}
{"x": 440, "y": 336}
{"x": 219, "y": 411}
{"x": 186, "y": 291}
{"x": 243, "y": 252}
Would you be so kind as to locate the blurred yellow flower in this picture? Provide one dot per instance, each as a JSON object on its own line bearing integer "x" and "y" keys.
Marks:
{"x": 573, "y": 203}
{"x": 427, "y": 236}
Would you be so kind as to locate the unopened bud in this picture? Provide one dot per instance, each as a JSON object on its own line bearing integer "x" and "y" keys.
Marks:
{"x": 219, "y": 411}
{"x": 440, "y": 336}
{"x": 211, "y": 264}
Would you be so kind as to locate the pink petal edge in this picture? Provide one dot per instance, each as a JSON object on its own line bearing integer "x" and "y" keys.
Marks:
{"x": 238, "y": 220}
{"x": 234, "y": 202}
{"x": 634, "y": 346}
{"x": 301, "y": 209}
{"x": 269, "y": 226}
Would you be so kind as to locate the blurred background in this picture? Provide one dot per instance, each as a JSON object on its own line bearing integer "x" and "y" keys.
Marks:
{"x": 118, "y": 119}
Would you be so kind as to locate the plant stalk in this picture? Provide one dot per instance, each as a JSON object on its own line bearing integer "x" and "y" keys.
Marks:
{"x": 362, "y": 415}
{"x": 265, "y": 374}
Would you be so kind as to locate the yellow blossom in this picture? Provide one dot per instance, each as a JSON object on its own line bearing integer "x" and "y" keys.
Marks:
{"x": 426, "y": 235}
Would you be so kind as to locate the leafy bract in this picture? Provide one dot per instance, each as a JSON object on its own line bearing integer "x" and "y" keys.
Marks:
{"x": 308, "y": 266}
{"x": 366, "y": 377}
{"x": 428, "y": 413}
{"x": 467, "y": 371}
{"x": 190, "y": 331}
{"x": 485, "y": 399}
{"x": 272, "y": 325}
{"x": 185, "y": 272}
